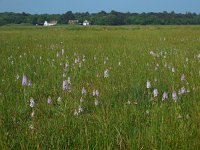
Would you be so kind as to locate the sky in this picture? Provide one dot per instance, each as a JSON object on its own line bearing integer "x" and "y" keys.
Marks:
{"x": 62, "y": 6}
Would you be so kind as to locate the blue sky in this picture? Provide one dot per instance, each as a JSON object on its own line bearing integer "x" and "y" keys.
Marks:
{"x": 61, "y": 6}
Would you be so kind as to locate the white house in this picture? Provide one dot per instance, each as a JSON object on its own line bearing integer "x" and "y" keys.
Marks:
{"x": 50, "y": 23}
{"x": 86, "y": 23}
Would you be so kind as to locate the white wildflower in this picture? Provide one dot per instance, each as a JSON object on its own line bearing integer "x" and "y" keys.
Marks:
{"x": 66, "y": 85}
{"x": 81, "y": 100}
{"x": 83, "y": 91}
{"x": 17, "y": 76}
{"x": 63, "y": 51}
{"x": 173, "y": 69}
{"x": 148, "y": 84}
{"x": 174, "y": 96}
{"x": 31, "y": 127}
{"x": 32, "y": 114}
{"x": 80, "y": 109}
{"x": 24, "y": 81}
{"x": 29, "y": 83}
{"x": 32, "y": 102}
{"x": 165, "y": 96}
{"x": 57, "y": 55}
{"x": 95, "y": 93}
{"x": 75, "y": 112}
{"x": 182, "y": 77}
{"x": 76, "y": 60}
{"x": 198, "y": 56}
{"x": 155, "y": 92}
{"x": 69, "y": 80}
{"x": 96, "y": 102}
{"x": 59, "y": 99}
{"x": 147, "y": 112}
{"x": 106, "y": 75}
{"x": 152, "y": 53}
{"x": 49, "y": 101}
{"x": 182, "y": 91}
{"x": 84, "y": 58}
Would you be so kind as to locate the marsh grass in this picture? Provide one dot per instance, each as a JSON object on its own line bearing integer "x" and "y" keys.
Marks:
{"x": 127, "y": 117}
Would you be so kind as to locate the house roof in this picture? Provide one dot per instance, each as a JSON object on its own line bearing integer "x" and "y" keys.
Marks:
{"x": 53, "y": 22}
{"x": 85, "y": 21}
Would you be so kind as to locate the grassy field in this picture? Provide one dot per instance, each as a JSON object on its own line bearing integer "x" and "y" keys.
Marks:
{"x": 100, "y": 87}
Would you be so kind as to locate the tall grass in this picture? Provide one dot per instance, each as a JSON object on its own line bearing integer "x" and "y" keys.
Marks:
{"x": 127, "y": 116}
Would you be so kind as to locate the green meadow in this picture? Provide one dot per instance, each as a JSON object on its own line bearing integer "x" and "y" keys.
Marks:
{"x": 100, "y": 87}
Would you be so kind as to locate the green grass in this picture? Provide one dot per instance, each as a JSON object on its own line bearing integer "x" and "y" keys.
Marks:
{"x": 144, "y": 123}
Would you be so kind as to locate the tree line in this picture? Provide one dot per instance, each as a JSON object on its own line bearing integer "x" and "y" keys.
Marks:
{"x": 104, "y": 18}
